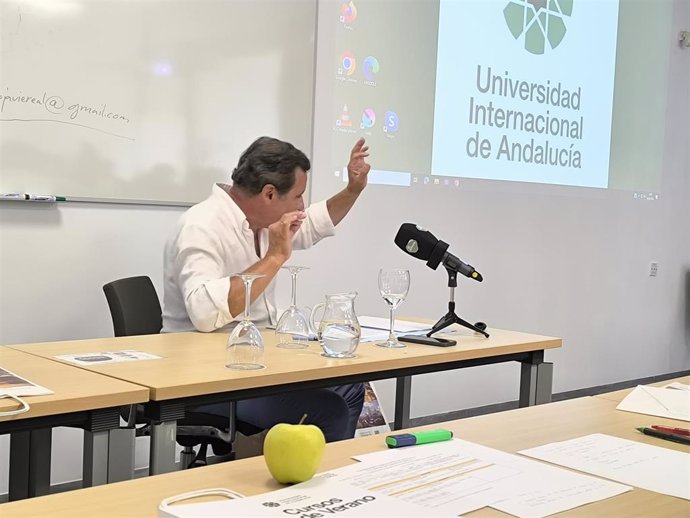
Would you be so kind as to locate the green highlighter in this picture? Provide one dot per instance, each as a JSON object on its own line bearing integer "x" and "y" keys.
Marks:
{"x": 410, "y": 439}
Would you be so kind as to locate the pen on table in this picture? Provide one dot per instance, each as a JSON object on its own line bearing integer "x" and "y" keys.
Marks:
{"x": 20, "y": 196}
{"x": 44, "y": 197}
{"x": 669, "y": 429}
{"x": 309, "y": 337}
{"x": 682, "y": 439}
{"x": 15, "y": 196}
{"x": 410, "y": 439}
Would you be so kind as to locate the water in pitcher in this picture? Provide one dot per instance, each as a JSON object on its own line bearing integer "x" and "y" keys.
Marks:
{"x": 339, "y": 340}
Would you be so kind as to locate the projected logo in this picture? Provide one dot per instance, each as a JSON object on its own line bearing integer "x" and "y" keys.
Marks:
{"x": 347, "y": 64}
{"x": 370, "y": 66}
{"x": 538, "y": 22}
{"x": 348, "y": 12}
{"x": 368, "y": 118}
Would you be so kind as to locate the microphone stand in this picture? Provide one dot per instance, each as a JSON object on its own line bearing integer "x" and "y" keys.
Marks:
{"x": 450, "y": 317}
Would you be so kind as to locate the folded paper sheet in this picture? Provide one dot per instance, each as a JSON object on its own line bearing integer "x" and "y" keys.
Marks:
{"x": 663, "y": 402}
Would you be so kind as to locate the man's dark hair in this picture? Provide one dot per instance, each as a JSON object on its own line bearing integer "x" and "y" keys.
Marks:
{"x": 269, "y": 161}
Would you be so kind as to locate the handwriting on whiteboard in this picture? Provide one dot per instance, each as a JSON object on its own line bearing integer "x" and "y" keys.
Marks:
{"x": 34, "y": 107}
{"x": 56, "y": 105}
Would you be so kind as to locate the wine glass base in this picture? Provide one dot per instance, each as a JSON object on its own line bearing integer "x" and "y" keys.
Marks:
{"x": 390, "y": 344}
{"x": 245, "y": 366}
{"x": 340, "y": 356}
{"x": 292, "y": 345}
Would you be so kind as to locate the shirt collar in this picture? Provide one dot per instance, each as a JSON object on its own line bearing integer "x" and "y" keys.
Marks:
{"x": 234, "y": 211}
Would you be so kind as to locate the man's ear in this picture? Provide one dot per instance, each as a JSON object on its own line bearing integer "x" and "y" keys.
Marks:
{"x": 269, "y": 192}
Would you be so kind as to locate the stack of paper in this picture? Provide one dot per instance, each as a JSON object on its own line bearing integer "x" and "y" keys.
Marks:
{"x": 458, "y": 477}
{"x": 401, "y": 326}
{"x": 662, "y": 402}
{"x": 376, "y": 328}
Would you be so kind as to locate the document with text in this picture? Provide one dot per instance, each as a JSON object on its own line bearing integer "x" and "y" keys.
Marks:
{"x": 317, "y": 498}
{"x": 107, "y": 357}
{"x": 641, "y": 465}
{"x": 15, "y": 385}
{"x": 458, "y": 477}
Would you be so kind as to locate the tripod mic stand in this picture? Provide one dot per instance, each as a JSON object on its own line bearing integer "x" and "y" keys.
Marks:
{"x": 450, "y": 317}
{"x": 446, "y": 320}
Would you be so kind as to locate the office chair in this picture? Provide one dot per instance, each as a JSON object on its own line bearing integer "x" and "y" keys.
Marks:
{"x": 136, "y": 310}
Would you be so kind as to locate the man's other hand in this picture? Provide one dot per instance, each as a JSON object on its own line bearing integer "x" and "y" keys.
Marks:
{"x": 281, "y": 232}
{"x": 357, "y": 168}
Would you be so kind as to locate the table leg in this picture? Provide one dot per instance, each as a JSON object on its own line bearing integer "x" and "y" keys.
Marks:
{"x": 536, "y": 381}
{"x": 121, "y": 454}
{"x": 96, "y": 445}
{"x": 162, "y": 451}
{"x": 403, "y": 392}
{"x": 32, "y": 478}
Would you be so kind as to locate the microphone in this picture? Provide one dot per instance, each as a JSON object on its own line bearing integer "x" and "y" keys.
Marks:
{"x": 422, "y": 244}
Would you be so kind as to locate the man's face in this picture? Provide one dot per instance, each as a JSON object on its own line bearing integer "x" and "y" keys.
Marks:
{"x": 292, "y": 200}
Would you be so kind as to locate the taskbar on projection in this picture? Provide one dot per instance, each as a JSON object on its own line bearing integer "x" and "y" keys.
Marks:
{"x": 406, "y": 179}
{"x": 646, "y": 196}
{"x": 402, "y": 179}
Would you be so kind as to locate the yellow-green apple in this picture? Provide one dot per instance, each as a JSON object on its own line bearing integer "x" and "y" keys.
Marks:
{"x": 293, "y": 452}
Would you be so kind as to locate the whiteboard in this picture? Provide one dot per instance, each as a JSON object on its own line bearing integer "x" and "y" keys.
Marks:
{"x": 148, "y": 99}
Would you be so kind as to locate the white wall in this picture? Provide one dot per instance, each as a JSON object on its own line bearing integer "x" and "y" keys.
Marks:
{"x": 53, "y": 262}
{"x": 567, "y": 266}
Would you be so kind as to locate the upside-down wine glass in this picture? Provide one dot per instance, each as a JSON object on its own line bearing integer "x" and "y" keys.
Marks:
{"x": 245, "y": 349}
{"x": 292, "y": 330}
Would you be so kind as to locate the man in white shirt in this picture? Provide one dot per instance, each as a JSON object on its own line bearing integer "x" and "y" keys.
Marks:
{"x": 252, "y": 227}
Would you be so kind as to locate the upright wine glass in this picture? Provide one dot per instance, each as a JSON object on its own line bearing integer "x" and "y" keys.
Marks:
{"x": 292, "y": 330}
{"x": 393, "y": 286}
{"x": 245, "y": 349}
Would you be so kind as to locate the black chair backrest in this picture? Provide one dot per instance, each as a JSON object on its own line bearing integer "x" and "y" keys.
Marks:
{"x": 134, "y": 306}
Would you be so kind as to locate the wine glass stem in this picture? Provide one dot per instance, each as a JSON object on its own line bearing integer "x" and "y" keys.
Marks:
{"x": 247, "y": 297}
{"x": 391, "y": 335}
{"x": 294, "y": 289}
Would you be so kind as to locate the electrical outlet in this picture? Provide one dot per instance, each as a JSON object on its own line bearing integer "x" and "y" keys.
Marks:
{"x": 653, "y": 269}
{"x": 684, "y": 38}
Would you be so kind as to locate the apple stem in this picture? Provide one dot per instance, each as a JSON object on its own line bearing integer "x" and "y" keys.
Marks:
{"x": 303, "y": 418}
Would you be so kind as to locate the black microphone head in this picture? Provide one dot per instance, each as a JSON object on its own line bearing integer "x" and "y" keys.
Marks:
{"x": 415, "y": 240}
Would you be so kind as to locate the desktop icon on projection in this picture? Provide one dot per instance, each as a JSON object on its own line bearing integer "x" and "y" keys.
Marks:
{"x": 344, "y": 121}
{"x": 391, "y": 123}
{"x": 370, "y": 67}
{"x": 368, "y": 119}
{"x": 348, "y": 12}
{"x": 347, "y": 64}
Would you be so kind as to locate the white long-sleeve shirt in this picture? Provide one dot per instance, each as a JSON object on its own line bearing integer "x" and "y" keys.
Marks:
{"x": 211, "y": 242}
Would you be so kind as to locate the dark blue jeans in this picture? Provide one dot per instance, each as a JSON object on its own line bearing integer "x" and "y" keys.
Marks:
{"x": 335, "y": 410}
